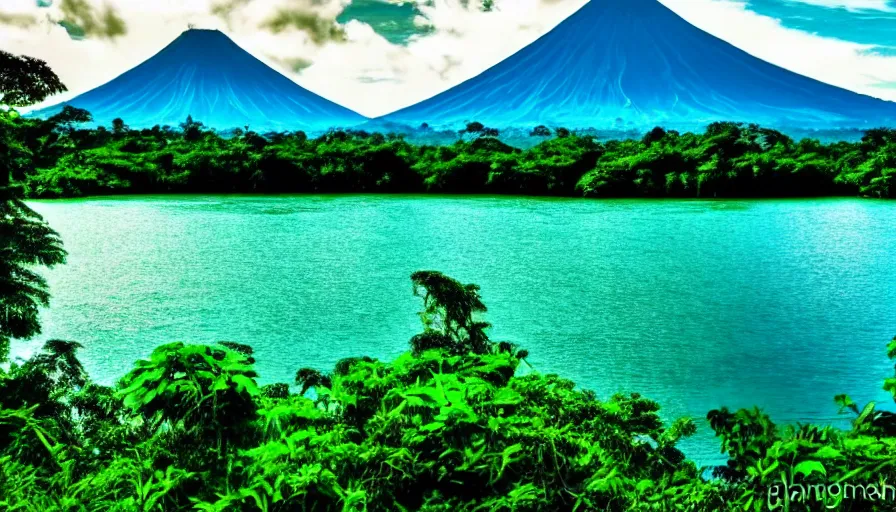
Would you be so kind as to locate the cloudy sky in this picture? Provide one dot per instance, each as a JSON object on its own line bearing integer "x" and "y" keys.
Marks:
{"x": 376, "y": 56}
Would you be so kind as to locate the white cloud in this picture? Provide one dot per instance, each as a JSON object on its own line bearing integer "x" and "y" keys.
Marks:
{"x": 834, "y": 61}
{"x": 376, "y": 77}
{"x": 85, "y": 64}
{"x": 852, "y": 5}
{"x": 373, "y": 76}
{"x": 366, "y": 73}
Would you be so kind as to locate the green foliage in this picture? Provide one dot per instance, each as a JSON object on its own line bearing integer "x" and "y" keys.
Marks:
{"x": 448, "y": 315}
{"x": 190, "y": 386}
{"x": 56, "y": 159}
{"x": 765, "y": 460}
{"x": 453, "y": 425}
{"x": 25, "y": 80}
{"x": 69, "y": 117}
{"x": 26, "y": 241}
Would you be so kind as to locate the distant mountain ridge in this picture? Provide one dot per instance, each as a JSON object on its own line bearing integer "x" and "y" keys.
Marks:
{"x": 635, "y": 64}
{"x": 203, "y": 73}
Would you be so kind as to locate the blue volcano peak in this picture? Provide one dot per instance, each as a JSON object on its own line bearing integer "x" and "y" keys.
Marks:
{"x": 204, "y": 74}
{"x": 635, "y": 64}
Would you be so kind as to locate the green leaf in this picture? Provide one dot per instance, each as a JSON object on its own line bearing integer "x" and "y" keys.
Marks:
{"x": 807, "y": 467}
{"x": 866, "y": 412}
{"x": 890, "y": 386}
{"x": 773, "y": 466}
{"x": 221, "y": 384}
{"x": 828, "y": 452}
{"x": 246, "y": 384}
{"x": 507, "y": 396}
{"x": 644, "y": 485}
{"x": 845, "y": 402}
{"x": 150, "y": 395}
{"x": 508, "y": 453}
{"x": 132, "y": 400}
{"x": 432, "y": 427}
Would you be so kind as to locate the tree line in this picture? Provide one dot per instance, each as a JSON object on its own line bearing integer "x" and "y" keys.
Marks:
{"x": 55, "y": 158}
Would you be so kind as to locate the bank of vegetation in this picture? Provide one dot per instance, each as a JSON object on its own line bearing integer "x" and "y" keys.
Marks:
{"x": 456, "y": 423}
{"x": 54, "y": 158}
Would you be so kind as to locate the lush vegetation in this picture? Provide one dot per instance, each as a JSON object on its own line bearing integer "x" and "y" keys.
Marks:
{"x": 54, "y": 158}
{"x": 456, "y": 423}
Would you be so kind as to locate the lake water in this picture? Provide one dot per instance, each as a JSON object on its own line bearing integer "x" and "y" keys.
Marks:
{"x": 697, "y": 304}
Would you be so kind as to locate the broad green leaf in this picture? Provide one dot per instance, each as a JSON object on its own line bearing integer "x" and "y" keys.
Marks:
{"x": 866, "y": 413}
{"x": 827, "y": 452}
{"x": 246, "y": 384}
{"x": 807, "y": 467}
{"x": 644, "y": 485}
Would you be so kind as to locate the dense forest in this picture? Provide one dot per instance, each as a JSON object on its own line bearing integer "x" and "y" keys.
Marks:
{"x": 459, "y": 422}
{"x": 55, "y": 158}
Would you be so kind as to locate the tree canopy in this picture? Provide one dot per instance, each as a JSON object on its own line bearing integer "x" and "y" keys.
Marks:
{"x": 25, "y": 80}
{"x": 61, "y": 158}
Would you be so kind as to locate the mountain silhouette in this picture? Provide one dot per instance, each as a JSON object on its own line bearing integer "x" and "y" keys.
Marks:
{"x": 636, "y": 64}
{"x": 206, "y": 75}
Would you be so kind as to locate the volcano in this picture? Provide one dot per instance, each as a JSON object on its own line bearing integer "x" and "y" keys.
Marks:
{"x": 204, "y": 74}
{"x": 635, "y": 64}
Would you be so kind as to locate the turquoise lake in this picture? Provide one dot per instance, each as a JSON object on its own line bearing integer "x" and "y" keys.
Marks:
{"x": 696, "y": 304}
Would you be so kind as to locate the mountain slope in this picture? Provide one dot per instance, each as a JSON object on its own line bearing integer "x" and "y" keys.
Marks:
{"x": 204, "y": 74}
{"x": 635, "y": 63}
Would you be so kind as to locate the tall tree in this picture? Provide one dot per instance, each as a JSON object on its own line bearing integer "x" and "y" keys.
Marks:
{"x": 69, "y": 117}
{"x": 449, "y": 309}
{"x": 25, "y": 239}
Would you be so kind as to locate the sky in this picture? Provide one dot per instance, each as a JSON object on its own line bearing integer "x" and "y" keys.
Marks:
{"x": 376, "y": 56}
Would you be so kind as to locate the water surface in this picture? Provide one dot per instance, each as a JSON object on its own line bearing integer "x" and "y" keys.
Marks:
{"x": 697, "y": 304}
